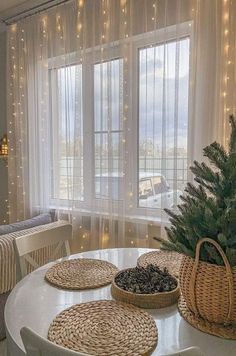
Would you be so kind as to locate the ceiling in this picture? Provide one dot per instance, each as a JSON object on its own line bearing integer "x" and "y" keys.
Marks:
{"x": 10, "y": 9}
{"x": 7, "y": 4}
{"x": 13, "y": 7}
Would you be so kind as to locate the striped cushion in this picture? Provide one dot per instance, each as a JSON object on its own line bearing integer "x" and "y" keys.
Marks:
{"x": 7, "y": 255}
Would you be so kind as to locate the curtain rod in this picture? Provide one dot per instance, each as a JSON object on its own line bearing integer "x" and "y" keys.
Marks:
{"x": 32, "y": 11}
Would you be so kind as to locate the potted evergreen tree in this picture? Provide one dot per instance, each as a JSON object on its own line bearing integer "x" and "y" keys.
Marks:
{"x": 204, "y": 231}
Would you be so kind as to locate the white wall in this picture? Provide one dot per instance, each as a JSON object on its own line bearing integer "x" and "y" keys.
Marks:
{"x": 3, "y": 128}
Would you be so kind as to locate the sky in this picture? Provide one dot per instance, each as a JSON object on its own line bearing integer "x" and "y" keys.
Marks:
{"x": 162, "y": 95}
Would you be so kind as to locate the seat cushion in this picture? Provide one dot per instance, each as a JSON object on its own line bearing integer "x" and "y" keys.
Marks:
{"x": 41, "y": 219}
{"x": 3, "y": 299}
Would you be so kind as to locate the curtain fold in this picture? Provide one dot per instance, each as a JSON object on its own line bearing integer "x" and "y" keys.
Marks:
{"x": 109, "y": 101}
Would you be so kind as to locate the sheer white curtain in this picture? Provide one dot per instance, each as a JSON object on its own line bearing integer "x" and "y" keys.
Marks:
{"x": 109, "y": 102}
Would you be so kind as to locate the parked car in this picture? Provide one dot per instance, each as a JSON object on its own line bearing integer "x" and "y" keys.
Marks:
{"x": 155, "y": 192}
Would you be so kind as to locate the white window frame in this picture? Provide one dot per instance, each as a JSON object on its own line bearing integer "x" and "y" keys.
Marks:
{"x": 168, "y": 34}
{"x": 91, "y": 57}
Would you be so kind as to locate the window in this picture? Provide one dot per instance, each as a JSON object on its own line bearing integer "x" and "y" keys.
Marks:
{"x": 67, "y": 133}
{"x": 163, "y": 120}
{"x": 89, "y": 150}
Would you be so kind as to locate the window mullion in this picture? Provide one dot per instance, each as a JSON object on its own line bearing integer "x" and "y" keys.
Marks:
{"x": 88, "y": 129}
{"x": 131, "y": 132}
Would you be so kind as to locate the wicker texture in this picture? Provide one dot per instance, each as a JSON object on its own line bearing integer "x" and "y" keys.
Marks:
{"x": 209, "y": 290}
{"x": 81, "y": 274}
{"x": 170, "y": 260}
{"x": 147, "y": 301}
{"x": 220, "y": 330}
{"x": 105, "y": 328}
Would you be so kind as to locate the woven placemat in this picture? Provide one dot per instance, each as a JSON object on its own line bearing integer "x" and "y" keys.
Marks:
{"x": 105, "y": 328}
{"x": 226, "y": 332}
{"x": 81, "y": 273}
{"x": 170, "y": 260}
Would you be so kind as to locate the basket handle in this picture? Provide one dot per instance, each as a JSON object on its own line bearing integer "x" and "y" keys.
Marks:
{"x": 194, "y": 274}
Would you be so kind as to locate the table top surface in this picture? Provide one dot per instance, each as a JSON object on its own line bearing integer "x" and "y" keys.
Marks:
{"x": 35, "y": 303}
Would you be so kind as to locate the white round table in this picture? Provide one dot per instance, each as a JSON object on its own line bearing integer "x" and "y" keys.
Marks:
{"x": 35, "y": 303}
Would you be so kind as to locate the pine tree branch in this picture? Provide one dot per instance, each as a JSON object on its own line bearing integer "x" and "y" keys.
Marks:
{"x": 209, "y": 187}
{"x": 232, "y": 142}
{"x": 196, "y": 192}
{"x": 189, "y": 201}
{"x": 209, "y": 208}
{"x": 216, "y": 154}
{"x": 206, "y": 173}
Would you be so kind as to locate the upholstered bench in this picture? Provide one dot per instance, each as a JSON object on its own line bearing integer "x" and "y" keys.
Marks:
{"x": 7, "y": 257}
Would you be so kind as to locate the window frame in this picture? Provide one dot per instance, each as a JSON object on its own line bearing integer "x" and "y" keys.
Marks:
{"x": 91, "y": 203}
{"x": 168, "y": 34}
{"x": 90, "y": 58}
{"x": 93, "y": 58}
{"x": 54, "y": 137}
{"x": 112, "y": 131}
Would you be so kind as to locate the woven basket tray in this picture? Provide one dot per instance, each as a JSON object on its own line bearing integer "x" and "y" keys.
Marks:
{"x": 105, "y": 328}
{"x": 147, "y": 301}
{"x": 81, "y": 273}
{"x": 170, "y": 260}
{"x": 220, "y": 330}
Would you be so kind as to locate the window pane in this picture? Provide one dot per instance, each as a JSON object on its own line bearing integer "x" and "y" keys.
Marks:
{"x": 108, "y": 164}
{"x": 108, "y": 94}
{"x": 67, "y": 133}
{"x": 108, "y": 112}
{"x": 163, "y": 121}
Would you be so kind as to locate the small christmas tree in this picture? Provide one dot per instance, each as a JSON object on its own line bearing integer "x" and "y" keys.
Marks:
{"x": 209, "y": 207}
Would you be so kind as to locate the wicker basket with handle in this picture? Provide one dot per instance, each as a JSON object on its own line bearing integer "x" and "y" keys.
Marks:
{"x": 209, "y": 290}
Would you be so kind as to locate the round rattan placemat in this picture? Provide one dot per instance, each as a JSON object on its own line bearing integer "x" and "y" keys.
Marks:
{"x": 170, "y": 260}
{"x": 105, "y": 328}
{"x": 226, "y": 332}
{"x": 83, "y": 273}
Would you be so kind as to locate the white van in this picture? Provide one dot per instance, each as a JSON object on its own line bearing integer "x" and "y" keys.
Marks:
{"x": 155, "y": 192}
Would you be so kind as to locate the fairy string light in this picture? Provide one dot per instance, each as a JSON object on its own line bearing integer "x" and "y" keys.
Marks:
{"x": 226, "y": 65}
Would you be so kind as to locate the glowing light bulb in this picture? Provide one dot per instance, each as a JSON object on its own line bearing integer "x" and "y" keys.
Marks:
{"x": 226, "y": 16}
{"x": 13, "y": 28}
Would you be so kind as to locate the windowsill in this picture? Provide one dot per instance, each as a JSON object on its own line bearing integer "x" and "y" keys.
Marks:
{"x": 134, "y": 218}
